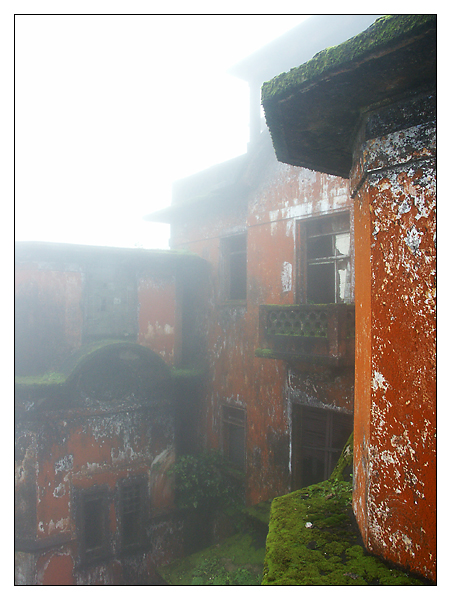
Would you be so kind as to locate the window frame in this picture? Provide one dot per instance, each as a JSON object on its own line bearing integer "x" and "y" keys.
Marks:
{"x": 331, "y": 418}
{"x": 126, "y": 484}
{"x": 228, "y": 277}
{"x": 228, "y": 420}
{"x": 98, "y": 494}
{"x": 303, "y": 260}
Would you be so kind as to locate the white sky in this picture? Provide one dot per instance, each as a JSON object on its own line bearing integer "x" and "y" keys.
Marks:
{"x": 111, "y": 109}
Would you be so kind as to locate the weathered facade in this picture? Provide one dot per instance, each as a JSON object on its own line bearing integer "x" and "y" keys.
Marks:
{"x": 366, "y": 111}
{"x": 278, "y": 325}
{"x": 278, "y": 314}
{"x": 97, "y": 412}
{"x": 245, "y": 338}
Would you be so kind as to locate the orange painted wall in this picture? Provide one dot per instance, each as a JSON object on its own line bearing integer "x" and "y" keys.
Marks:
{"x": 278, "y": 196}
{"x": 78, "y": 449}
{"x": 157, "y": 317}
{"x": 50, "y": 312}
{"x": 395, "y": 419}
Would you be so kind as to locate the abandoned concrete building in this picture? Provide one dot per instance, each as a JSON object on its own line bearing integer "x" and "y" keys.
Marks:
{"x": 283, "y": 317}
{"x": 97, "y": 338}
{"x": 366, "y": 111}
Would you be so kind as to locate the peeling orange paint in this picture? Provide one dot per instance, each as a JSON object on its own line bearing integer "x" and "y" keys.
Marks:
{"x": 395, "y": 420}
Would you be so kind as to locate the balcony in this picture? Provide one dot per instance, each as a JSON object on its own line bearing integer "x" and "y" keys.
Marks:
{"x": 320, "y": 333}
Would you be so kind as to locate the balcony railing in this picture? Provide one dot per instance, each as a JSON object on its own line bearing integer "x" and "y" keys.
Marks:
{"x": 322, "y": 333}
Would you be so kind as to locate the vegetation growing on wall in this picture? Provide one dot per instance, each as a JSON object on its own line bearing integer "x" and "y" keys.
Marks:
{"x": 385, "y": 31}
{"x": 313, "y": 539}
{"x": 204, "y": 481}
{"x": 238, "y": 560}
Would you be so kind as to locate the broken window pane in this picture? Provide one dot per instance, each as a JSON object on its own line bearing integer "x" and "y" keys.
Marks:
{"x": 321, "y": 283}
{"x": 342, "y": 244}
{"x": 344, "y": 280}
{"x": 327, "y": 259}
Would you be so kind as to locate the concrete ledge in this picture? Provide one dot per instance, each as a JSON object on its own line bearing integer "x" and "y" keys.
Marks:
{"x": 313, "y": 112}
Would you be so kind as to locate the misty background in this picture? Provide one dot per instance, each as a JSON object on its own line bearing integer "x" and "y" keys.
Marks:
{"x": 111, "y": 109}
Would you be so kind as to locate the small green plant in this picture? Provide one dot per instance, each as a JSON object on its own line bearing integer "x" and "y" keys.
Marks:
{"x": 204, "y": 481}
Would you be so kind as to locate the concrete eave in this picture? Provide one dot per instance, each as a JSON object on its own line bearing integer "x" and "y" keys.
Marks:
{"x": 313, "y": 111}
{"x": 55, "y": 252}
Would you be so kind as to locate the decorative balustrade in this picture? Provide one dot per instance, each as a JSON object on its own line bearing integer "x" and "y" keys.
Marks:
{"x": 317, "y": 333}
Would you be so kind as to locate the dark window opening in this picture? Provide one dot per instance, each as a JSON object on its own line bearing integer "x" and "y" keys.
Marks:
{"x": 319, "y": 436}
{"x": 132, "y": 501}
{"x": 234, "y": 253}
{"x": 234, "y": 436}
{"x": 325, "y": 261}
{"x": 93, "y": 524}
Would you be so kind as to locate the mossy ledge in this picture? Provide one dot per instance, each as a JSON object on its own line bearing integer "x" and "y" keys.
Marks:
{"x": 313, "y": 539}
{"x": 384, "y": 33}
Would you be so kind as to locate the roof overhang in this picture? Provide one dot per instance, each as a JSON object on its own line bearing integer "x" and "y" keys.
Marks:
{"x": 313, "y": 112}
{"x": 54, "y": 252}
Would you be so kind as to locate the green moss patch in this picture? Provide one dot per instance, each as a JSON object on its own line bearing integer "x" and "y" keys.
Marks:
{"x": 314, "y": 540}
{"x": 39, "y": 381}
{"x": 259, "y": 512}
{"x": 180, "y": 374}
{"x": 236, "y": 561}
{"x": 386, "y": 31}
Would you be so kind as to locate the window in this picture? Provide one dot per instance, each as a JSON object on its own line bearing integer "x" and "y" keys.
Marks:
{"x": 233, "y": 436}
{"x": 325, "y": 260}
{"x": 93, "y": 523}
{"x": 234, "y": 257}
{"x": 109, "y": 302}
{"x": 319, "y": 436}
{"x": 132, "y": 503}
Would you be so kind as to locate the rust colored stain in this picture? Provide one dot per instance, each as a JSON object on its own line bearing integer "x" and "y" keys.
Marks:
{"x": 87, "y": 448}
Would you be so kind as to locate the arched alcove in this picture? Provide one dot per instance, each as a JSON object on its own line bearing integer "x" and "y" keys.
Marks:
{"x": 115, "y": 371}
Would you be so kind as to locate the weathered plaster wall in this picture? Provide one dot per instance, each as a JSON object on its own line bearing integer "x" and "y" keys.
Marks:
{"x": 277, "y": 196}
{"x": 395, "y": 421}
{"x": 92, "y": 412}
{"x": 87, "y": 444}
{"x": 58, "y": 300}
{"x": 157, "y": 315}
{"x": 48, "y": 316}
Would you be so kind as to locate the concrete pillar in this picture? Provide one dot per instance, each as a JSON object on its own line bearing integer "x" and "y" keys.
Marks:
{"x": 393, "y": 186}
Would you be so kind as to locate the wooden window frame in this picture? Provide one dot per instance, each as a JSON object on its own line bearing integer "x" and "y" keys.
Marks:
{"x": 303, "y": 262}
{"x": 229, "y": 418}
{"x": 234, "y": 262}
{"x": 137, "y": 540}
{"x": 300, "y": 448}
{"x": 87, "y": 522}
